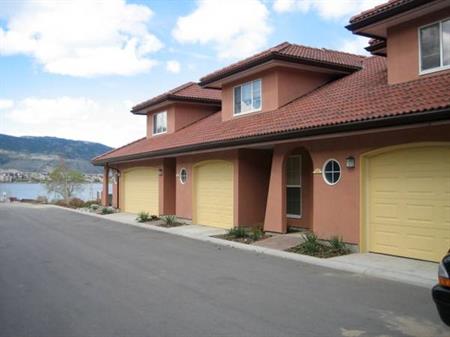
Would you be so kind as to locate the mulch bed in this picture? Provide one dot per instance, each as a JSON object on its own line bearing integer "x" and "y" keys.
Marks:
{"x": 246, "y": 240}
{"x": 323, "y": 251}
{"x": 175, "y": 224}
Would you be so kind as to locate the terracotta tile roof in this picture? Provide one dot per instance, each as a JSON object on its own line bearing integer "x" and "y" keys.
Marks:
{"x": 294, "y": 53}
{"x": 361, "y": 96}
{"x": 391, "y": 7}
{"x": 189, "y": 91}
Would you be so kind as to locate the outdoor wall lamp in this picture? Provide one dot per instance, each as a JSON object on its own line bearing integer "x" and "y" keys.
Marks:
{"x": 350, "y": 162}
{"x": 160, "y": 171}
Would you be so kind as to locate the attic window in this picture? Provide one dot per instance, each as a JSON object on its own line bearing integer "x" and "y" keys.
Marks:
{"x": 160, "y": 123}
{"x": 247, "y": 97}
{"x": 434, "y": 42}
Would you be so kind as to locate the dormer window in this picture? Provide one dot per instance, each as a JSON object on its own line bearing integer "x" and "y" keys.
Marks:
{"x": 247, "y": 97}
{"x": 160, "y": 123}
{"x": 435, "y": 46}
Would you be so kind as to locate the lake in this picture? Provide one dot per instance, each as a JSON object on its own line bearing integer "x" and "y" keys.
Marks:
{"x": 33, "y": 190}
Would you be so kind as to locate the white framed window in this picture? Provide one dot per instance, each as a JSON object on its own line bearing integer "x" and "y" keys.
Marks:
{"x": 331, "y": 172}
{"x": 434, "y": 46}
{"x": 183, "y": 176}
{"x": 294, "y": 187}
{"x": 247, "y": 97}
{"x": 160, "y": 123}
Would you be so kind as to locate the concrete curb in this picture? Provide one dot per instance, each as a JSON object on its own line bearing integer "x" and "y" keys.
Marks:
{"x": 408, "y": 278}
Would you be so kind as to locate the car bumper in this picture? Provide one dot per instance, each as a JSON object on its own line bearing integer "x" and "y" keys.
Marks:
{"x": 441, "y": 297}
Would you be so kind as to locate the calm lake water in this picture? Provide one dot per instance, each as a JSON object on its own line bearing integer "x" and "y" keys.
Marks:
{"x": 33, "y": 190}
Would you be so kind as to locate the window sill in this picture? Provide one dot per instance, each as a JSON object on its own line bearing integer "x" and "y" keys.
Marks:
{"x": 434, "y": 70}
{"x": 246, "y": 113}
{"x": 159, "y": 133}
{"x": 293, "y": 216}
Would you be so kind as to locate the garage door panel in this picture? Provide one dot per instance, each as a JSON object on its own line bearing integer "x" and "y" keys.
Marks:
{"x": 214, "y": 194}
{"x": 409, "y": 202}
{"x": 141, "y": 190}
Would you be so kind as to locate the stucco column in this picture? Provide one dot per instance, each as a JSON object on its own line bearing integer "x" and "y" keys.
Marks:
{"x": 275, "y": 219}
{"x": 115, "y": 192}
{"x": 105, "y": 191}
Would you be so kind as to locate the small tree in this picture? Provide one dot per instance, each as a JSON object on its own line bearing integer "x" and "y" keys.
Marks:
{"x": 64, "y": 182}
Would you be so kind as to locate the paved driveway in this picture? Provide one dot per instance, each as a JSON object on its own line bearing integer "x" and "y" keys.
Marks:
{"x": 67, "y": 274}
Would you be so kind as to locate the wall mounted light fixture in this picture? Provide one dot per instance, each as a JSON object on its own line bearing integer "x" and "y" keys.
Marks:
{"x": 350, "y": 162}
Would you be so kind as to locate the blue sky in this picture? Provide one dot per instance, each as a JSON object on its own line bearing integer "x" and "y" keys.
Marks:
{"x": 74, "y": 69}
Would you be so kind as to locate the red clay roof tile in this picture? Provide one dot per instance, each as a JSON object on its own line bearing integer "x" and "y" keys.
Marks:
{"x": 363, "y": 95}
{"x": 188, "y": 91}
{"x": 295, "y": 53}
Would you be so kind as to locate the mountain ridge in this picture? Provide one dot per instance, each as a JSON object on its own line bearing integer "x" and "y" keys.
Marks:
{"x": 41, "y": 154}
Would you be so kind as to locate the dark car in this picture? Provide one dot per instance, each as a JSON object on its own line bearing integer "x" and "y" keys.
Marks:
{"x": 441, "y": 291}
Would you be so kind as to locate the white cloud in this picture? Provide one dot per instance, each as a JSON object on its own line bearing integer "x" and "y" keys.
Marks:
{"x": 6, "y": 103}
{"x": 236, "y": 28}
{"x": 355, "y": 45}
{"x": 327, "y": 9}
{"x": 78, "y": 118}
{"x": 173, "y": 66}
{"x": 82, "y": 37}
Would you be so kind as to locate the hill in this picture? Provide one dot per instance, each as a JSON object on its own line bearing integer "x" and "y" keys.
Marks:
{"x": 41, "y": 154}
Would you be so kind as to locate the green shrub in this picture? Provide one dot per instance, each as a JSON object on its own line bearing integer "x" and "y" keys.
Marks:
{"x": 90, "y": 203}
{"x": 154, "y": 217}
{"x": 311, "y": 245}
{"x": 256, "y": 234}
{"x": 169, "y": 220}
{"x": 143, "y": 217}
{"x": 337, "y": 243}
{"x": 107, "y": 210}
{"x": 76, "y": 203}
{"x": 94, "y": 207}
{"x": 238, "y": 232}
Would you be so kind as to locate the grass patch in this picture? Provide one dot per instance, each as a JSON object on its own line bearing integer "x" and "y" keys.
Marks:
{"x": 312, "y": 246}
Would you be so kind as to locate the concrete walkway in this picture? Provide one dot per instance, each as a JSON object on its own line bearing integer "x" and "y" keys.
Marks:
{"x": 419, "y": 273}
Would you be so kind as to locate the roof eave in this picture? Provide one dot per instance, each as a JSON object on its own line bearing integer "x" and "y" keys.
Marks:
{"x": 412, "y": 118}
{"x": 352, "y": 26}
{"x": 170, "y": 98}
{"x": 205, "y": 81}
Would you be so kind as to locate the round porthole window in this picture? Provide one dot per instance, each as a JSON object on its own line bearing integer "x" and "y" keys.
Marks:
{"x": 183, "y": 175}
{"x": 331, "y": 171}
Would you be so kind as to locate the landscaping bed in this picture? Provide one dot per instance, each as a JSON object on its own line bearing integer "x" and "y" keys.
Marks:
{"x": 166, "y": 221}
{"x": 312, "y": 246}
{"x": 243, "y": 235}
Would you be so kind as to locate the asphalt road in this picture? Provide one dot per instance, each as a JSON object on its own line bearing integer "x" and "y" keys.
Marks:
{"x": 66, "y": 274}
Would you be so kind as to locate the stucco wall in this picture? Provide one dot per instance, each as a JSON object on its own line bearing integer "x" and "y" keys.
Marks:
{"x": 403, "y": 48}
{"x": 336, "y": 209}
{"x": 279, "y": 85}
{"x": 253, "y": 185}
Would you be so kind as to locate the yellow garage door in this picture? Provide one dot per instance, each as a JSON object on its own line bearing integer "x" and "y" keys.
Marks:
{"x": 409, "y": 202}
{"x": 213, "y": 194}
{"x": 140, "y": 190}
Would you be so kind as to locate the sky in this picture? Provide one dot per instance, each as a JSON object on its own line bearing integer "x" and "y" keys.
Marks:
{"x": 74, "y": 68}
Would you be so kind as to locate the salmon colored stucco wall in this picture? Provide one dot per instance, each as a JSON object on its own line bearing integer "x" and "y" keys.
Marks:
{"x": 186, "y": 114}
{"x": 295, "y": 83}
{"x": 170, "y": 120}
{"x": 336, "y": 209}
{"x": 253, "y": 185}
{"x": 278, "y": 86}
{"x": 403, "y": 48}
{"x": 179, "y": 115}
{"x": 268, "y": 89}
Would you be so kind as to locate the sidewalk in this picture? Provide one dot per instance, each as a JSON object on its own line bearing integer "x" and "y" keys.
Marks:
{"x": 419, "y": 273}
